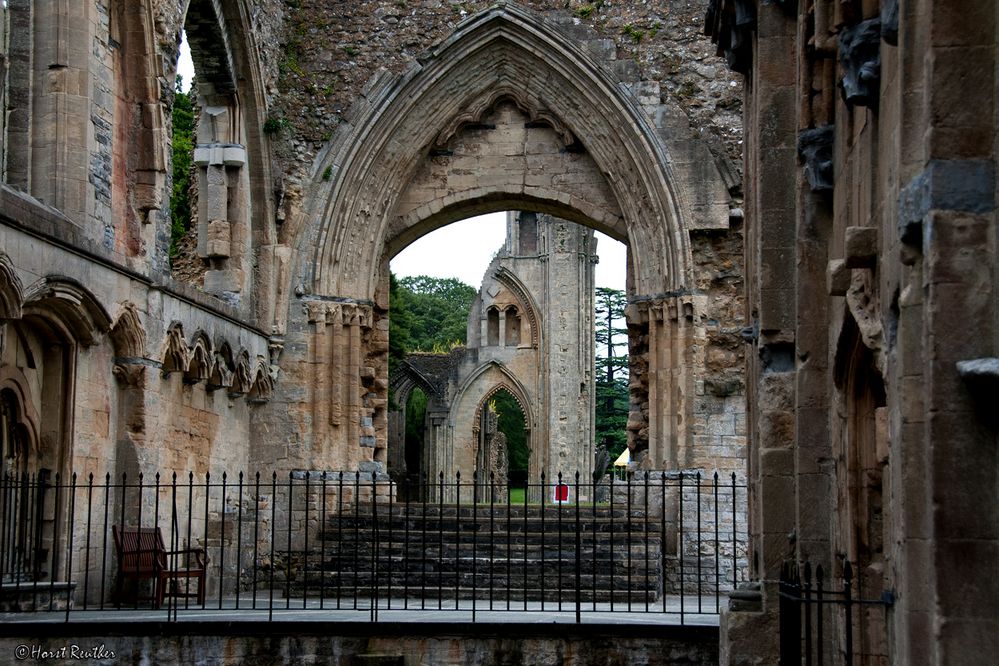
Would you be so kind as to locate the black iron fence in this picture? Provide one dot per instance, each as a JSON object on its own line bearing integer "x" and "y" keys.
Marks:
{"x": 818, "y": 619}
{"x": 668, "y": 543}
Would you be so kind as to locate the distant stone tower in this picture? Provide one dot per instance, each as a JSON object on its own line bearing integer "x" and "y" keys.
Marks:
{"x": 530, "y": 332}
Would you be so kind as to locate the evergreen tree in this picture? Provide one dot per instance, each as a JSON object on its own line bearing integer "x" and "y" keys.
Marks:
{"x": 612, "y": 370}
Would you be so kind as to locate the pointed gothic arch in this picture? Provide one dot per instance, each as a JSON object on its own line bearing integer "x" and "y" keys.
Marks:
{"x": 127, "y": 334}
{"x": 528, "y": 308}
{"x": 504, "y": 53}
{"x": 10, "y": 290}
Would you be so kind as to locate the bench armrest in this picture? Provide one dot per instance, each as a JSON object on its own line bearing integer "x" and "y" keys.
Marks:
{"x": 199, "y": 553}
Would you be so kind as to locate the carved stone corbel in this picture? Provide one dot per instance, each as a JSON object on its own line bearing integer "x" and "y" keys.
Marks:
{"x": 860, "y": 57}
{"x": 815, "y": 148}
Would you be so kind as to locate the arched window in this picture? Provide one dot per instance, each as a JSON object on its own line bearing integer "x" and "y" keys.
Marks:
{"x": 512, "y": 326}
{"x": 14, "y": 434}
{"x": 492, "y": 327}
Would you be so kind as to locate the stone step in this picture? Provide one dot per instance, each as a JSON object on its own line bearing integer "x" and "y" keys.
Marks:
{"x": 499, "y": 565}
{"x": 416, "y": 550}
{"x": 368, "y": 536}
{"x": 448, "y": 593}
{"x": 433, "y": 509}
{"x": 532, "y": 531}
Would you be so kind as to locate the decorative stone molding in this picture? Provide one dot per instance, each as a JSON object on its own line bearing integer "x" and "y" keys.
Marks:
{"x": 260, "y": 390}
{"x": 72, "y": 304}
{"x": 199, "y": 367}
{"x": 507, "y": 278}
{"x": 214, "y": 365}
{"x": 862, "y": 301}
{"x": 127, "y": 334}
{"x": 223, "y": 370}
{"x": 337, "y": 312}
{"x": 128, "y": 375}
{"x": 242, "y": 380}
{"x": 475, "y": 114}
{"x": 11, "y": 290}
{"x": 502, "y": 49}
{"x": 175, "y": 353}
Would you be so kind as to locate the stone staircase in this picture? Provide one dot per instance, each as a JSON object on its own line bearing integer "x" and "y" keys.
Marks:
{"x": 446, "y": 552}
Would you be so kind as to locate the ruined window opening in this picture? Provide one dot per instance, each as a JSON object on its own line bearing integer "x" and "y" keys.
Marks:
{"x": 528, "y": 233}
{"x": 512, "y": 327}
{"x": 211, "y": 243}
{"x": 416, "y": 427}
{"x": 15, "y": 445}
{"x": 182, "y": 148}
{"x": 492, "y": 327}
{"x": 513, "y": 423}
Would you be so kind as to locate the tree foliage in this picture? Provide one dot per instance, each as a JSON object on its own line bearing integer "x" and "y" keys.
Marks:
{"x": 612, "y": 370}
{"x": 510, "y": 422}
{"x": 400, "y": 323}
{"x": 183, "y": 149}
{"x": 434, "y": 313}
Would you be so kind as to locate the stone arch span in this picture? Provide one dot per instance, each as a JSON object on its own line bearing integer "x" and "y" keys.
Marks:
{"x": 505, "y": 53}
{"x": 504, "y": 70}
{"x": 469, "y": 401}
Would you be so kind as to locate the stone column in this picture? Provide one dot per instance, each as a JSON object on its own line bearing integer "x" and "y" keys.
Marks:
{"x": 342, "y": 425}
{"x": 222, "y": 207}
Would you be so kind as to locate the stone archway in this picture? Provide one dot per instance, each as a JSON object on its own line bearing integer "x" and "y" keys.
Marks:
{"x": 468, "y": 414}
{"x": 404, "y": 465}
{"x": 506, "y": 114}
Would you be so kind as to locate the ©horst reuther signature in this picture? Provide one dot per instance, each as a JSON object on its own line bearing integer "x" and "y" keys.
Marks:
{"x": 71, "y": 651}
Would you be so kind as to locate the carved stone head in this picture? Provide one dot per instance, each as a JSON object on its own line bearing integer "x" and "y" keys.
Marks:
{"x": 860, "y": 57}
{"x": 815, "y": 149}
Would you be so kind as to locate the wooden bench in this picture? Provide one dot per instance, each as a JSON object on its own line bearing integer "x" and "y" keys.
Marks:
{"x": 142, "y": 556}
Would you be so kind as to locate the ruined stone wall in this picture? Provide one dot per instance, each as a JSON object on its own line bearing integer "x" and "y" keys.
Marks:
{"x": 329, "y": 53}
{"x": 869, "y": 276}
{"x": 463, "y": 166}
{"x": 127, "y": 415}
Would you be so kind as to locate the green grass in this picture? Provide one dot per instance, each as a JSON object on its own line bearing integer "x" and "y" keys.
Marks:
{"x": 517, "y": 495}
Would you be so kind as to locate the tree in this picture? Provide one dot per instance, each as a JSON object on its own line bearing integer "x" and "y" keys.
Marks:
{"x": 400, "y": 323}
{"x": 510, "y": 421}
{"x": 612, "y": 370}
{"x": 438, "y": 308}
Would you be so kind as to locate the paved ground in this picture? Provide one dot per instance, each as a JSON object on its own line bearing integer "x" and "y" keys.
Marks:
{"x": 395, "y": 611}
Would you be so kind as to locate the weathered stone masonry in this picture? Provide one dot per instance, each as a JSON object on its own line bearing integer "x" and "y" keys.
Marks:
{"x": 313, "y": 168}
{"x": 871, "y": 264}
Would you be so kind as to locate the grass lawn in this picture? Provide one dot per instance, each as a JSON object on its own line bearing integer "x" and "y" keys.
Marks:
{"x": 517, "y": 495}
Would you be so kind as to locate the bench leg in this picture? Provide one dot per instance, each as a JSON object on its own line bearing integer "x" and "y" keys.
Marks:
{"x": 161, "y": 583}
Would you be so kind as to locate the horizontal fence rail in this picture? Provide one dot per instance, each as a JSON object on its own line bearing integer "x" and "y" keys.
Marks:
{"x": 663, "y": 543}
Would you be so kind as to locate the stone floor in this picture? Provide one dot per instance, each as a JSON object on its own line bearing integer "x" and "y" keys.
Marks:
{"x": 396, "y": 611}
